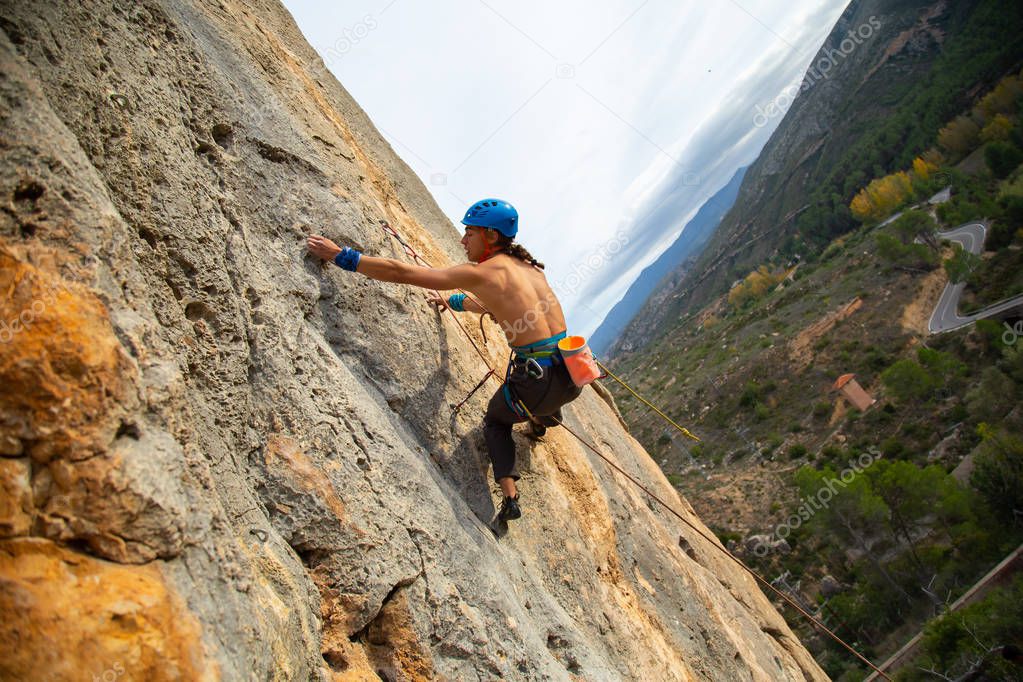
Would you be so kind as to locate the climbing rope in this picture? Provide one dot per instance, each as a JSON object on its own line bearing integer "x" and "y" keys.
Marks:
{"x": 685, "y": 431}
{"x": 415, "y": 257}
{"x": 486, "y": 376}
{"x": 791, "y": 602}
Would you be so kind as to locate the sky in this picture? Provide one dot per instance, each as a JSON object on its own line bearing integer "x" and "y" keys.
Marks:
{"x": 607, "y": 125}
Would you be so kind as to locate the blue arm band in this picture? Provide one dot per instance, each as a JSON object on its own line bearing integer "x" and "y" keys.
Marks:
{"x": 348, "y": 259}
{"x": 457, "y": 302}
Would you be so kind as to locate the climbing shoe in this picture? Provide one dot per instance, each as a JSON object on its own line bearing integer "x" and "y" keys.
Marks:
{"x": 510, "y": 509}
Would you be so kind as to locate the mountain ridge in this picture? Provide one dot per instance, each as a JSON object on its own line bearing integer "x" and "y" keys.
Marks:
{"x": 668, "y": 267}
{"x": 908, "y": 79}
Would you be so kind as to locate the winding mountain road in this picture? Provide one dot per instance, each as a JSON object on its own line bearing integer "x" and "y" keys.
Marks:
{"x": 946, "y": 315}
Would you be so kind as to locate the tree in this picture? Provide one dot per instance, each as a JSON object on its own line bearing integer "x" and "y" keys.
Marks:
{"x": 1002, "y": 99}
{"x": 960, "y": 137}
{"x": 908, "y": 381}
{"x": 913, "y": 225}
{"x": 993, "y": 397}
{"x": 969, "y": 644}
{"x": 755, "y": 285}
{"x": 917, "y": 497}
{"x": 853, "y": 513}
{"x": 923, "y": 169}
{"x": 906, "y": 256}
{"x": 908, "y": 491}
{"x": 945, "y": 368}
{"x": 962, "y": 264}
{"x": 998, "y": 473}
{"x": 998, "y": 129}
{"x": 1003, "y": 230}
{"x": 882, "y": 196}
{"x": 1002, "y": 158}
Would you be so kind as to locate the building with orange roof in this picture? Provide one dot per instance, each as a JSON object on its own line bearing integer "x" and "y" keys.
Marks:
{"x": 853, "y": 392}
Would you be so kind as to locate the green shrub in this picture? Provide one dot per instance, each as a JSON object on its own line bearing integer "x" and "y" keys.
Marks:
{"x": 751, "y": 394}
{"x": 998, "y": 472}
{"x": 1002, "y": 158}
{"x": 892, "y": 448}
{"x": 952, "y": 643}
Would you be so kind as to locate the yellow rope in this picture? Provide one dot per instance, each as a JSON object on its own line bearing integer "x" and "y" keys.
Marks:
{"x": 717, "y": 544}
{"x": 685, "y": 431}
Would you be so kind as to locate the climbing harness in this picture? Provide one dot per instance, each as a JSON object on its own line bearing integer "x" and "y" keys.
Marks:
{"x": 534, "y": 353}
{"x": 531, "y": 359}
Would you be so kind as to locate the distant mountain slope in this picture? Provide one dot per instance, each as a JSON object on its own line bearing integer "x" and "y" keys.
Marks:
{"x": 687, "y": 247}
{"x": 879, "y": 105}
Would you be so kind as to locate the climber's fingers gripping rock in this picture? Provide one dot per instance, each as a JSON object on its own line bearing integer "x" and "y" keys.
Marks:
{"x": 321, "y": 247}
{"x": 437, "y": 302}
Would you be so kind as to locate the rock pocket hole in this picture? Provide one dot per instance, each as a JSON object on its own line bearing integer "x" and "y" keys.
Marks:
{"x": 336, "y": 661}
{"x": 28, "y": 230}
{"x": 119, "y": 100}
{"x": 252, "y": 297}
{"x": 197, "y": 310}
{"x": 149, "y": 236}
{"x": 128, "y": 430}
{"x": 223, "y": 134}
{"x": 28, "y": 190}
{"x": 555, "y": 641}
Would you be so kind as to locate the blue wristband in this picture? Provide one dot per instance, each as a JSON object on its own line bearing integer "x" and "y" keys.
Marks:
{"x": 348, "y": 259}
{"x": 457, "y": 302}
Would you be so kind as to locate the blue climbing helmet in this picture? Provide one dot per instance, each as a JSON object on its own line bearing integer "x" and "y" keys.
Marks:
{"x": 496, "y": 214}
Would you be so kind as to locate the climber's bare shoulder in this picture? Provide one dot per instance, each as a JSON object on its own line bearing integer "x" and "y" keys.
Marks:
{"x": 520, "y": 298}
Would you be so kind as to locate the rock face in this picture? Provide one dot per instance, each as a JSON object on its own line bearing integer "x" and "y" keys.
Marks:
{"x": 222, "y": 459}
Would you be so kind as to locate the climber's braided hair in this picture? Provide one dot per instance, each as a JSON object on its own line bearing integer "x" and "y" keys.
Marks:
{"x": 509, "y": 246}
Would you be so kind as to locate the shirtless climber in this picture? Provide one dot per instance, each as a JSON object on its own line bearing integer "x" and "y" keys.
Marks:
{"x": 510, "y": 283}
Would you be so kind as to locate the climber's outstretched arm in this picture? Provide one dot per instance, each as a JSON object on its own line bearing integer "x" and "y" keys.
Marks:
{"x": 464, "y": 276}
{"x": 439, "y": 279}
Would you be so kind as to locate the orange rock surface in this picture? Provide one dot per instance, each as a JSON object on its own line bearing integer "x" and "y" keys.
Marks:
{"x": 71, "y": 617}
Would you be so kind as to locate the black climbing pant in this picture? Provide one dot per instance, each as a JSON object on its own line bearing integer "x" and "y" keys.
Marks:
{"x": 544, "y": 397}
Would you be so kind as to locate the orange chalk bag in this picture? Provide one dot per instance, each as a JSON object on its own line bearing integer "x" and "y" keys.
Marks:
{"x": 579, "y": 360}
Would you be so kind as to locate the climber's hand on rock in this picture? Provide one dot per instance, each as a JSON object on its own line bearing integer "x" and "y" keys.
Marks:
{"x": 322, "y": 247}
{"x": 437, "y": 302}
